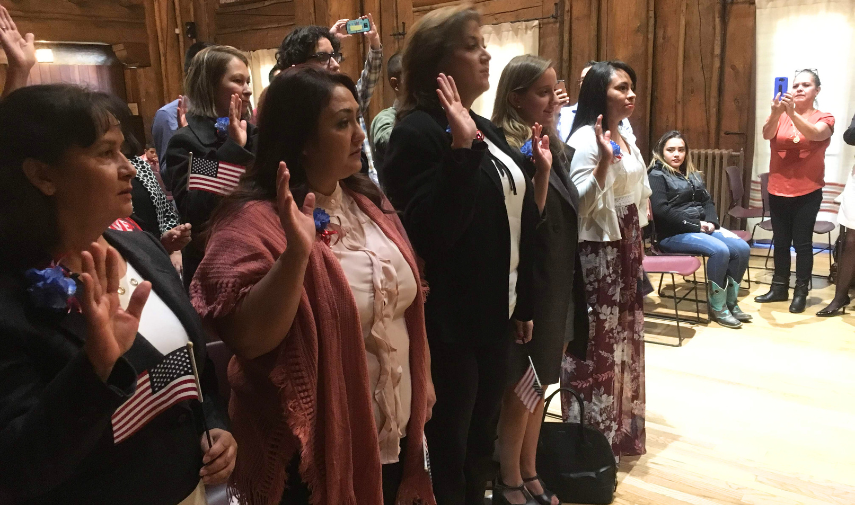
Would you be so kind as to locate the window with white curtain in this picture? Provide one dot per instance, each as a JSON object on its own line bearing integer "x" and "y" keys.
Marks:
{"x": 505, "y": 41}
{"x": 816, "y": 34}
{"x": 260, "y": 63}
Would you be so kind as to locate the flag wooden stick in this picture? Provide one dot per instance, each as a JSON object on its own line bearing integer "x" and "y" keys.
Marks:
{"x": 189, "y": 169}
{"x": 199, "y": 390}
{"x": 536, "y": 378}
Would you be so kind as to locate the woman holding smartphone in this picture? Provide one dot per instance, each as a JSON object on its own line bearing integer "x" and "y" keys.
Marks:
{"x": 798, "y": 134}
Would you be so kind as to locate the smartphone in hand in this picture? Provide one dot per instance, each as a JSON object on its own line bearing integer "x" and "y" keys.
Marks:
{"x": 360, "y": 25}
{"x": 782, "y": 86}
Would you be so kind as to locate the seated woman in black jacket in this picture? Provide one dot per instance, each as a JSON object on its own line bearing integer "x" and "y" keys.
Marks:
{"x": 686, "y": 222}
{"x": 94, "y": 407}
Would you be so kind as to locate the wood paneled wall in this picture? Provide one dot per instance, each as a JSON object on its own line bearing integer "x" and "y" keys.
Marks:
{"x": 694, "y": 58}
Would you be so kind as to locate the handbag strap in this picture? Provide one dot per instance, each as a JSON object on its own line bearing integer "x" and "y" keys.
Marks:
{"x": 578, "y": 400}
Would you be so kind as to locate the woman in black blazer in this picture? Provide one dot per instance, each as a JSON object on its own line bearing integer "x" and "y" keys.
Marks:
{"x": 470, "y": 213}
{"x": 218, "y": 90}
{"x": 70, "y": 361}
{"x": 526, "y": 108}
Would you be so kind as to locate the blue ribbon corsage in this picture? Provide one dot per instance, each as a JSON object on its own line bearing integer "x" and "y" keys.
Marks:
{"x": 322, "y": 221}
{"x": 52, "y": 288}
{"x": 616, "y": 150}
{"x": 526, "y": 149}
{"x": 222, "y": 126}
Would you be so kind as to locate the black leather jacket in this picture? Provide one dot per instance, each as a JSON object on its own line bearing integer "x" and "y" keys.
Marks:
{"x": 679, "y": 203}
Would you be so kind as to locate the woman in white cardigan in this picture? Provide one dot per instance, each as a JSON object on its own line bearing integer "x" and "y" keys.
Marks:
{"x": 611, "y": 177}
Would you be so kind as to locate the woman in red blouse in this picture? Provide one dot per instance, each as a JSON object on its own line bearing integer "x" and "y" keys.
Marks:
{"x": 799, "y": 135}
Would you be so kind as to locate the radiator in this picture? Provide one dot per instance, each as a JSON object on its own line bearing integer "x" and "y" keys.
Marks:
{"x": 712, "y": 163}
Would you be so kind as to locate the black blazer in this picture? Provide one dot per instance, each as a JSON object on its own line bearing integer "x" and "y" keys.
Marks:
{"x": 56, "y": 441}
{"x": 679, "y": 203}
{"x": 195, "y": 207}
{"x": 453, "y": 209}
{"x": 560, "y": 305}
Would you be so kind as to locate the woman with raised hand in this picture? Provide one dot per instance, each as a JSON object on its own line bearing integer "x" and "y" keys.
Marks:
{"x": 470, "y": 211}
{"x": 20, "y": 53}
{"x": 217, "y": 136}
{"x": 610, "y": 174}
{"x": 311, "y": 281}
{"x": 526, "y": 104}
{"x": 687, "y": 222}
{"x": 89, "y": 316}
{"x": 798, "y": 134}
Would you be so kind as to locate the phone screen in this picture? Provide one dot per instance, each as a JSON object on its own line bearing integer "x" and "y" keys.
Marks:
{"x": 358, "y": 26}
{"x": 782, "y": 86}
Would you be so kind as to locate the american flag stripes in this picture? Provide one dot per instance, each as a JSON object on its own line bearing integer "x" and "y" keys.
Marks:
{"x": 170, "y": 382}
{"x": 213, "y": 176}
{"x": 528, "y": 389}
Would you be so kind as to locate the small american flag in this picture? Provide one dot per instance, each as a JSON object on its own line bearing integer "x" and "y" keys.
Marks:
{"x": 168, "y": 383}
{"x": 213, "y": 176}
{"x": 529, "y": 389}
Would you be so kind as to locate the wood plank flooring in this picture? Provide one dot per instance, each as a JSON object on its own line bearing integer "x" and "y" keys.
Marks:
{"x": 764, "y": 415}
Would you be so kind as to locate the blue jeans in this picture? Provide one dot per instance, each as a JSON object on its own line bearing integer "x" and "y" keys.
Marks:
{"x": 727, "y": 256}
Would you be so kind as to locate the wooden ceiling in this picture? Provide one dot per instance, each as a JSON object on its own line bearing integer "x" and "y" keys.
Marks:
{"x": 108, "y": 21}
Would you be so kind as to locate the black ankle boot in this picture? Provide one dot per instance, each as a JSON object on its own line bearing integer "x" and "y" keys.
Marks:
{"x": 800, "y": 293}
{"x": 778, "y": 292}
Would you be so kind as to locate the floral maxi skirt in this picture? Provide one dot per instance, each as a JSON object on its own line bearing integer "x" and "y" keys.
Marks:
{"x": 611, "y": 379}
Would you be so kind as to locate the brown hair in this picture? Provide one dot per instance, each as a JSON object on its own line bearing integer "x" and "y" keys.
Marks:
{"x": 431, "y": 39}
{"x": 291, "y": 111}
{"x": 206, "y": 72}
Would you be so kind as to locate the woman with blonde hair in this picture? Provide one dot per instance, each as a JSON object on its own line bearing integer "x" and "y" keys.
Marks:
{"x": 686, "y": 222}
{"x": 526, "y": 102}
{"x": 469, "y": 209}
{"x": 217, "y": 136}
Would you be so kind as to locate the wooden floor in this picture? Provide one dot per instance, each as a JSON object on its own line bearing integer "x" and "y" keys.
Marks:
{"x": 761, "y": 415}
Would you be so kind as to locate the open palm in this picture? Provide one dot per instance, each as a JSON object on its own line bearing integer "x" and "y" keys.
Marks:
{"x": 297, "y": 223}
{"x": 462, "y": 125}
{"x": 20, "y": 50}
{"x": 111, "y": 329}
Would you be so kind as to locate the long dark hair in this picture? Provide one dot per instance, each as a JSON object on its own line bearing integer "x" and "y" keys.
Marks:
{"x": 434, "y": 36}
{"x": 131, "y": 147}
{"x": 292, "y": 108}
{"x": 41, "y": 123}
{"x": 687, "y": 168}
{"x": 592, "y": 96}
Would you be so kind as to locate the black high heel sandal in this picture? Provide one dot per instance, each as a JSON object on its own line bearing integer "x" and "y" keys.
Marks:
{"x": 828, "y": 313}
{"x": 499, "y": 497}
{"x": 544, "y": 498}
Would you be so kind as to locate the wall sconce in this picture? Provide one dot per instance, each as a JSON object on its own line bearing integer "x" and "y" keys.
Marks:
{"x": 44, "y": 55}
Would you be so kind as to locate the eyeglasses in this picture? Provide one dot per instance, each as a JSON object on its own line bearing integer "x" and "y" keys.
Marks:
{"x": 811, "y": 70}
{"x": 324, "y": 58}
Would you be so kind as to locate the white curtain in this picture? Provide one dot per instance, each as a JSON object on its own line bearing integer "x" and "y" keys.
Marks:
{"x": 260, "y": 63}
{"x": 797, "y": 34}
{"x": 505, "y": 41}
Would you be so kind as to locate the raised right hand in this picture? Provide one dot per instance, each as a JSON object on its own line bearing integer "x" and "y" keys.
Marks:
{"x": 20, "y": 50}
{"x": 339, "y": 29}
{"x": 111, "y": 329}
{"x": 237, "y": 126}
{"x": 462, "y": 125}
{"x": 182, "y": 111}
{"x": 604, "y": 144}
{"x": 298, "y": 224}
{"x": 778, "y": 106}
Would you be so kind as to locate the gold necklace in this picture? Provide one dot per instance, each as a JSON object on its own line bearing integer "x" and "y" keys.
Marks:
{"x": 796, "y": 139}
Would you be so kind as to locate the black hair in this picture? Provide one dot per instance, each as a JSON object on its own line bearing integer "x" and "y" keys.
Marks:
{"x": 149, "y": 145}
{"x": 273, "y": 72}
{"x": 131, "y": 147}
{"x": 393, "y": 66}
{"x": 40, "y": 122}
{"x": 300, "y": 44}
{"x": 292, "y": 109}
{"x": 592, "y": 96}
{"x": 590, "y": 63}
{"x": 192, "y": 51}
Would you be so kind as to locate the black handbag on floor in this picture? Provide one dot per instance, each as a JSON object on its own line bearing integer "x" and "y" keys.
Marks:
{"x": 576, "y": 461}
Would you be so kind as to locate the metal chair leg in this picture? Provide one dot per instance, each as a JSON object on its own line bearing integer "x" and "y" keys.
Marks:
{"x": 697, "y": 303}
{"x": 677, "y": 313}
{"x": 829, "y": 257}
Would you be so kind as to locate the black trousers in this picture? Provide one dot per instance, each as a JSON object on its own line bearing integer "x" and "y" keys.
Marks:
{"x": 297, "y": 491}
{"x": 793, "y": 219}
{"x": 461, "y": 435}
